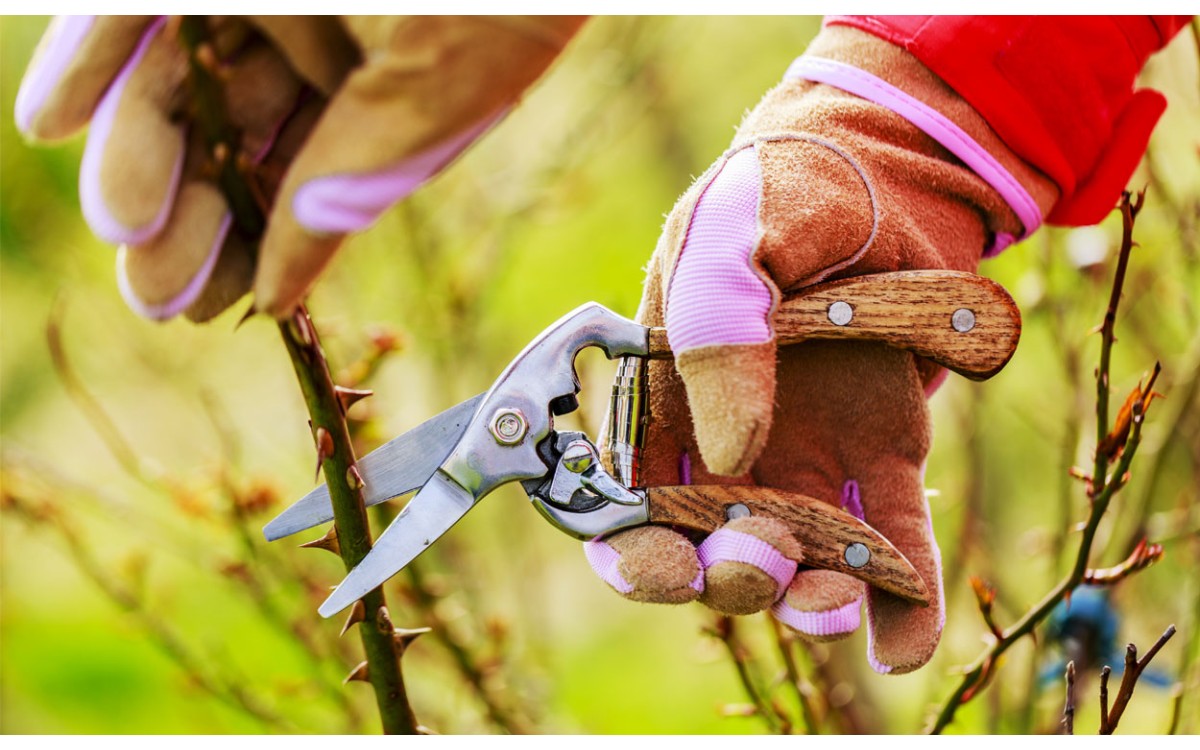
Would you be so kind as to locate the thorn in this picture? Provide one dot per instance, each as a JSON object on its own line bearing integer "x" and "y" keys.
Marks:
{"x": 302, "y": 328}
{"x": 358, "y": 613}
{"x": 354, "y": 478}
{"x": 206, "y": 56}
{"x": 250, "y": 313}
{"x": 361, "y": 673}
{"x": 324, "y": 448}
{"x": 404, "y": 636}
{"x": 383, "y": 620}
{"x": 350, "y": 396}
{"x": 220, "y": 154}
{"x": 328, "y": 542}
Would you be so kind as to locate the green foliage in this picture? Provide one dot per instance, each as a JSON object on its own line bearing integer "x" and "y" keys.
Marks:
{"x": 558, "y": 206}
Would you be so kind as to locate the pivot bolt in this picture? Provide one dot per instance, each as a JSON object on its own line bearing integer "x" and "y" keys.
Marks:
{"x": 578, "y": 457}
{"x": 508, "y": 426}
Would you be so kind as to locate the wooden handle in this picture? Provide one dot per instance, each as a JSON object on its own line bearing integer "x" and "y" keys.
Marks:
{"x": 829, "y": 536}
{"x": 964, "y": 322}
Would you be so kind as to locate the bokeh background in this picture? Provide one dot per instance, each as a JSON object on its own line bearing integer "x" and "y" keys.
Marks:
{"x": 141, "y": 459}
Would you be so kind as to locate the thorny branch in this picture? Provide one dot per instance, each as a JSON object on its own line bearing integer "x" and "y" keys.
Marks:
{"x": 335, "y": 452}
{"x": 1102, "y": 487}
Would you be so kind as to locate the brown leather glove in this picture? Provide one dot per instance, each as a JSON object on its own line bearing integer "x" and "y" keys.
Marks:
{"x": 339, "y": 118}
{"x": 819, "y": 184}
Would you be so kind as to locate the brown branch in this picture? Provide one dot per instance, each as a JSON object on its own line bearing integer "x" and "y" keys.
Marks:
{"x": 507, "y": 718}
{"x": 1105, "y": 673}
{"x": 130, "y": 600}
{"x": 784, "y": 641}
{"x": 1133, "y": 670}
{"x": 723, "y": 629}
{"x": 1068, "y": 720}
{"x": 87, "y": 403}
{"x": 1102, "y": 487}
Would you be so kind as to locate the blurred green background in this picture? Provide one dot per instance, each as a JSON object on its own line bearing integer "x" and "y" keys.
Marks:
{"x": 137, "y": 595}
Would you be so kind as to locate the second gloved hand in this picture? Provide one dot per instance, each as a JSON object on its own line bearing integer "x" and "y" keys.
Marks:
{"x": 819, "y": 184}
{"x": 338, "y": 118}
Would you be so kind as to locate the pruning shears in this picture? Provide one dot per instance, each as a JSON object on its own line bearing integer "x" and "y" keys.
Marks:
{"x": 964, "y": 322}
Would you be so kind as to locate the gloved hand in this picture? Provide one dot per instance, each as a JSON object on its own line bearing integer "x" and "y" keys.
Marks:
{"x": 819, "y": 184}
{"x": 339, "y": 119}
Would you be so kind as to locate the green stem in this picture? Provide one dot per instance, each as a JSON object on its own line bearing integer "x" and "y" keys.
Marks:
{"x": 312, "y": 371}
{"x": 223, "y": 140}
{"x": 350, "y": 518}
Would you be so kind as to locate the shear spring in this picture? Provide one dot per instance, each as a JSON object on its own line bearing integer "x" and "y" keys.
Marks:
{"x": 627, "y": 418}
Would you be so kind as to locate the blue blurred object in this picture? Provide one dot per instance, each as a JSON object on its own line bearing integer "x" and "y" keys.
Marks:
{"x": 1084, "y": 628}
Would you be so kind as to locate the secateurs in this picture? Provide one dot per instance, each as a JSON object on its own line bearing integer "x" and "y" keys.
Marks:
{"x": 961, "y": 321}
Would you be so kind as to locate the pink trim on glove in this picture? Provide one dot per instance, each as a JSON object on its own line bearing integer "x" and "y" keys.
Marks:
{"x": 715, "y": 295}
{"x": 91, "y": 194}
{"x": 349, "y": 202}
{"x": 726, "y": 545}
{"x": 941, "y": 594}
{"x": 685, "y": 468}
{"x": 936, "y": 126}
{"x": 40, "y": 80}
{"x": 844, "y": 619}
{"x": 605, "y": 561}
{"x": 181, "y": 301}
{"x": 852, "y": 499}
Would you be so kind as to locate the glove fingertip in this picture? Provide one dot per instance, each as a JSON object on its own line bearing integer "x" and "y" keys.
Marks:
{"x": 731, "y": 392}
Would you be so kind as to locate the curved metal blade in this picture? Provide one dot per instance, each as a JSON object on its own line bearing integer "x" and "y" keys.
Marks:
{"x": 431, "y": 512}
{"x": 393, "y": 469}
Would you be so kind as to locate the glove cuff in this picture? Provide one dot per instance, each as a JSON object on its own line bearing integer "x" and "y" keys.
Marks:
{"x": 884, "y": 74}
{"x": 938, "y": 127}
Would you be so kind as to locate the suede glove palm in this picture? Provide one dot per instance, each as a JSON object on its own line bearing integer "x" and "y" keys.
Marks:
{"x": 339, "y": 118}
{"x": 819, "y": 184}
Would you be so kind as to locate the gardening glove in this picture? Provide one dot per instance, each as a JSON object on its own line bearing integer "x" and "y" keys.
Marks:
{"x": 338, "y": 119}
{"x": 819, "y": 184}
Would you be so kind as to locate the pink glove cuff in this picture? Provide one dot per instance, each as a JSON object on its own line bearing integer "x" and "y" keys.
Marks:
{"x": 56, "y": 58}
{"x": 726, "y": 545}
{"x": 604, "y": 561}
{"x": 91, "y": 195}
{"x": 349, "y": 202}
{"x": 830, "y": 622}
{"x": 934, "y": 124}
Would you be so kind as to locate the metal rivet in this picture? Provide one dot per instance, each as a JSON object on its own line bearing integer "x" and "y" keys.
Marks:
{"x": 841, "y": 313}
{"x": 737, "y": 510}
{"x": 963, "y": 320}
{"x": 578, "y": 457}
{"x": 857, "y": 555}
{"x": 508, "y": 426}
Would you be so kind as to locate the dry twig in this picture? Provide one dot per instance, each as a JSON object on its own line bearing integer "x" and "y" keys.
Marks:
{"x": 1133, "y": 670}
{"x": 1068, "y": 720}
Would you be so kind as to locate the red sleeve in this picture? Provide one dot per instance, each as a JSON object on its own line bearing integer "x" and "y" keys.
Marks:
{"x": 1059, "y": 90}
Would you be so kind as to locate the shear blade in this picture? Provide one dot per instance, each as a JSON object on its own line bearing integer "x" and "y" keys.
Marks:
{"x": 431, "y": 513}
{"x": 395, "y": 468}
